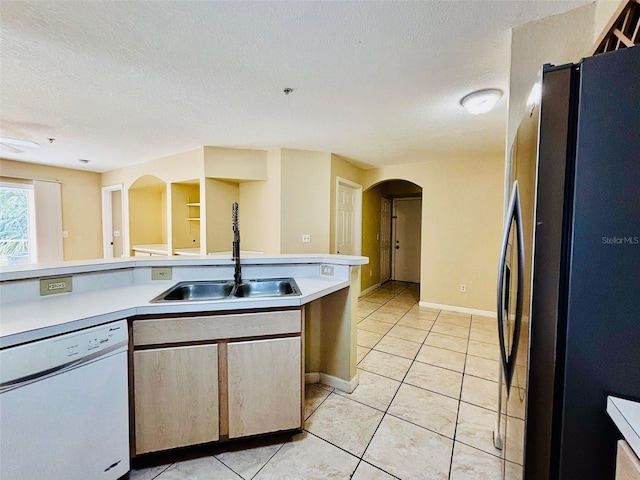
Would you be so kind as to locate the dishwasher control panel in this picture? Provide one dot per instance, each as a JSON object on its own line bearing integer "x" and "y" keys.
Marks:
{"x": 48, "y": 354}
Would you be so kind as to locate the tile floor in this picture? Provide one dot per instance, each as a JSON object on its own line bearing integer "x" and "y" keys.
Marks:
{"x": 424, "y": 409}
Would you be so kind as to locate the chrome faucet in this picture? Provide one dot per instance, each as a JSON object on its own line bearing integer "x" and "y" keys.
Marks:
{"x": 237, "y": 276}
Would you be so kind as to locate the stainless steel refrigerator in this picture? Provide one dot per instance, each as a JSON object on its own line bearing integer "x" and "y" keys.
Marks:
{"x": 584, "y": 314}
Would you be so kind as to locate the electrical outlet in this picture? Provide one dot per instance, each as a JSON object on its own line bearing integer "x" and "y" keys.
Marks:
{"x": 306, "y": 238}
{"x": 326, "y": 270}
{"x": 50, "y": 286}
{"x": 160, "y": 273}
{"x": 463, "y": 288}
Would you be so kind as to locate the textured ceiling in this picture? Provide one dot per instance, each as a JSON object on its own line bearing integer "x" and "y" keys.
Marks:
{"x": 120, "y": 83}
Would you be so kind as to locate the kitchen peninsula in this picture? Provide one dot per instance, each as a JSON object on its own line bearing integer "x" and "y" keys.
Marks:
{"x": 199, "y": 371}
{"x": 108, "y": 290}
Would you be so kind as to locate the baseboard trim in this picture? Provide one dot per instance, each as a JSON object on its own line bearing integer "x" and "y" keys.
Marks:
{"x": 455, "y": 308}
{"x": 335, "y": 382}
{"x": 369, "y": 290}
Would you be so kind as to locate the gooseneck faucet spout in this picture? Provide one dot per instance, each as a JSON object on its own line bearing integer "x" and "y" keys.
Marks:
{"x": 237, "y": 276}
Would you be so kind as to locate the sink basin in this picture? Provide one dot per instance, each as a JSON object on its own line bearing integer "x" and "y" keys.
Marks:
{"x": 225, "y": 289}
{"x": 267, "y": 287}
{"x": 198, "y": 290}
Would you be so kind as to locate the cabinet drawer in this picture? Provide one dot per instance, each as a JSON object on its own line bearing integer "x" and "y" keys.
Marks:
{"x": 215, "y": 327}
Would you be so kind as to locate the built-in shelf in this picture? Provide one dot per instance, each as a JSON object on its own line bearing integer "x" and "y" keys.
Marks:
{"x": 193, "y": 204}
{"x": 194, "y": 219}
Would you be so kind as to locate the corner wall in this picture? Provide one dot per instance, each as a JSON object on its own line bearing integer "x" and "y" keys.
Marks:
{"x": 461, "y": 226}
{"x": 81, "y": 205}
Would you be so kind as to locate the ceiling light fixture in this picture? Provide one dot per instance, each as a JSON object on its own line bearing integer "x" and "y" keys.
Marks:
{"x": 481, "y": 101}
{"x": 17, "y": 145}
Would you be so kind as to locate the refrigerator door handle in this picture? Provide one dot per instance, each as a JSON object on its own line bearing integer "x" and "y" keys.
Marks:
{"x": 508, "y": 361}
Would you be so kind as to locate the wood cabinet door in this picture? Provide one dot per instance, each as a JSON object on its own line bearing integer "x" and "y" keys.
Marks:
{"x": 176, "y": 397}
{"x": 265, "y": 381}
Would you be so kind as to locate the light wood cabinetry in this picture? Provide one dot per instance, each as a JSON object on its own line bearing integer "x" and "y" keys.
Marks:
{"x": 176, "y": 397}
{"x": 264, "y": 377}
{"x": 217, "y": 377}
{"x": 627, "y": 463}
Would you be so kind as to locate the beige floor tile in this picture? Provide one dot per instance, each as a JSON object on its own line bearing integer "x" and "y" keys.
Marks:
{"x": 365, "y": 308}
{"x": 347, "y": 424}
{"x": 246, "y": 461}
{"x": 422, "y": 315}
{"x": 485, "y": 336}
{"x": 361, "y": 352}
{"x": 514, "y": 405}
{"x": 416, "y": 323}
{"x": 485, "y": 324}
{"x": 441, "y": 358}
{"x": 471, "y": 464}
{"x": 449, "y": 329}
{"x": 368, "y": 339}
{"x": 373, "y": 390}
{"x": 408, "y": 333}
{"x": 369, "y": 472}
{"x": 484, "y": 350}
{"x": 447, "y": 342}
{"x": 314, "y": 395}
{"x": 397, "y": 310}
{"x": 476, "y": 426}
{"x": 398, "y": 346}
{"x": 480, "y": 392}
{"x": 203, "y": 468}
{"x": 512, "y": 471}
{"x": 307, "y": 456}
{"x": 520, "y": 376}
{"x": 435, "y": 379}
{"x": 515, "y": 440}
{"x": 451, "y": 313}
{"x": 385, "y": 364}
{"x": 379, "y": 298}
{"x": 375, "y": 326}
{"x": 148, "y": 473}
{"x": 454, "y": 320}
{"x": 391, "y": 318}
{"x": 482, "y": 367}
{"x": 408, "y": 451}
{"x": 426, "y": 409}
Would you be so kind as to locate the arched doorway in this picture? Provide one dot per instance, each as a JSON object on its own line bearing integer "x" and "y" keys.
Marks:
{"x": 391, "y": 234}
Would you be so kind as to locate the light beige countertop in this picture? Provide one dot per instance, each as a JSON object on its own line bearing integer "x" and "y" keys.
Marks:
{"x": 105, "y": 291}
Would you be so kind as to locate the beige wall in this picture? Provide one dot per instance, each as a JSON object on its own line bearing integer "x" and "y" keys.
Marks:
{"x": 147, "y": 211}
{"x": 81, "y": 205}
{"x": 235, "y": 164}
{"x": 306, "y": 201}
{"x": 220, "y": 197}
{"x": 260, "y": 204}
{"x": 461, "y": 226}
{"x": 370, "y": 231}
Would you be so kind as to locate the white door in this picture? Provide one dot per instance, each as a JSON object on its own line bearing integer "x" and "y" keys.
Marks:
{"x": 347, "y": 241}
{"x": 112, "y": 221}
{"x": 406, "y": 239}
{"x": 385, "y": 239}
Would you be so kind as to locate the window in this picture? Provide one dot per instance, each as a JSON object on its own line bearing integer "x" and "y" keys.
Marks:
{"x": 17, "y": 224}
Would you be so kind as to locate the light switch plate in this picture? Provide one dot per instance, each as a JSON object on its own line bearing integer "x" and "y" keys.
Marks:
{"x": 160, "y": 273}
{"x": 51, "y": 286}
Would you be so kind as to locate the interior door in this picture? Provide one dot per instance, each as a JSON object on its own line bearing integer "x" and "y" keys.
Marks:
{"x": 406, "y": 239}
{"x": 345, "y": 220}
{"x": 385, "y": 239}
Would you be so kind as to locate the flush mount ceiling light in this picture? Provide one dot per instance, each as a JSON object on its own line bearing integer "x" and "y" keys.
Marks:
{"x": 17, "y": 145}
{"x": 481, "y": 101}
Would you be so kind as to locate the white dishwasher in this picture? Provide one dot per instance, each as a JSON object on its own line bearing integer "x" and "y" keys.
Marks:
{"x": 64, "y": 406}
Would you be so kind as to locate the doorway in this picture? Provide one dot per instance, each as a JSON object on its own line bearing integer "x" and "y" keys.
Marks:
{"x": 112, "y": 221}
{"x": 407, "y": 216}
{"x": 348, "y": 217}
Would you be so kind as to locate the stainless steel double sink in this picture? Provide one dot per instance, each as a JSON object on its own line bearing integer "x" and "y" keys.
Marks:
{"x": 207, "y": 290}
